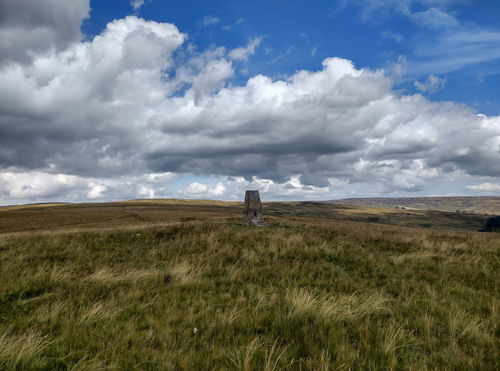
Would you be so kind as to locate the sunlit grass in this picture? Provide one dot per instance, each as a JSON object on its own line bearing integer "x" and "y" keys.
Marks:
{"x": 22, "y": 351}
{"x": 207, "y": 296}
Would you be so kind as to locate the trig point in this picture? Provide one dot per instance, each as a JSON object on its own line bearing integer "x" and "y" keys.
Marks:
{"x": 252, "y": 214}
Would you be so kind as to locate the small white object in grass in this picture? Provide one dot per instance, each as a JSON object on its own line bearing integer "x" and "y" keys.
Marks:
{"x": 195, "y": 331}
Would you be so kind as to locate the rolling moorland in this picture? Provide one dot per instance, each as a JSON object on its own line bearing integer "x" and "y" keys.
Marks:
{"x": 182, "y": 285}
{"x": 487, "y": 205}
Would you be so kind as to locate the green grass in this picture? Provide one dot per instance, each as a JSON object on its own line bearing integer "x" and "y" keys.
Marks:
{"x": 294, "y": 297}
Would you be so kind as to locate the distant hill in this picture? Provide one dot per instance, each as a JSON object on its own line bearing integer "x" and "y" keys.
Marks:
{"x": 116, "y": 215}
{"x": 481, "y": 205}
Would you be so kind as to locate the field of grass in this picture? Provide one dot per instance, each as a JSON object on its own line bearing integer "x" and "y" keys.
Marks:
{"x": 185, "y": 287}
{"x": 479, "y": 205}
{"x": 99, "y": 216}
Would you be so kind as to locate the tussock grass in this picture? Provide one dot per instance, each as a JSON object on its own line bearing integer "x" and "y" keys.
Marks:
{"x": 242, "y": 358}
{"x": 23, "y": 351}
{"x": 105, "y": 275}
{"x": 337, "y": 308}
{"x": 98, "y": 312}
{"x": 210, "y": 296}
{"x": 259, "y": 355}
{"x": 183, "y": 273}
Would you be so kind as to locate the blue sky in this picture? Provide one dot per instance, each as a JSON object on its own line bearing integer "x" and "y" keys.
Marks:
{"x": 121, "y": 99}
{"x": 300, "y": 34}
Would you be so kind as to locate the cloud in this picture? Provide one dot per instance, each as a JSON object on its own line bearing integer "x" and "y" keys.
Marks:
{"x": 136, "y": 4}
{"x": 431, "y": 85}
{"x": 210, "y": 20}
{"x": 229, "y": 27}
{"x": 234, "y": 188}
{"x": 196, "y": 189}
{"x": 380, "y": 9}
{"x": 336, "y": 122}
{"x": 205, "y": 72}
{"x": 32, "y": 27}
{"x": 441, "y": 44}
{"x": 34, "y": 184}
{"x": 394, "y": 36}
{"x": 485, "y": 187}
{"x": 466, "y": 46}
{"x": 243, "y": 53}
{"x": 111, "y": 116}
{"x": 80, "y": 108}
{"x": 434, "y": 19}
{"x": 25, "y": 186}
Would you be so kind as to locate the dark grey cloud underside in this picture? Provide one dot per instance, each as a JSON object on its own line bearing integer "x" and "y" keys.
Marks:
{"x": 34, "y": 26}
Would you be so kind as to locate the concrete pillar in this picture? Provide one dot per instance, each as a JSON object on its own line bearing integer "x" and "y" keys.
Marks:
{"x": 252, "y": 213}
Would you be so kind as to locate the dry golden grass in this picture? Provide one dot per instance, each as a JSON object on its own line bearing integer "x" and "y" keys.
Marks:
{"x": 105, "y": 275}
{"x": 98, "y": 312}
{"x": 21, "y": 351}
{"x": 184, "y": 273}
{"x": 336, "y": 308}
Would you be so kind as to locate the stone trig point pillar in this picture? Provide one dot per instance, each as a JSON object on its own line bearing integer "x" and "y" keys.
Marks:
{"x": 252, "y": 214}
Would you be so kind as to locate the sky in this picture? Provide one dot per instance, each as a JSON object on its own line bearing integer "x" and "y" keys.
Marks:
{"x": 124, "y": 99}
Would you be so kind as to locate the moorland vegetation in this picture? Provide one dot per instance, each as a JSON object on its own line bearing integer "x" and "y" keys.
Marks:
{"x": 209, "y": 294}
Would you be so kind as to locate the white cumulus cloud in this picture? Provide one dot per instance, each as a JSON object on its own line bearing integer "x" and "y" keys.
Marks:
{"x": 485, "y": 187}
{"x": 203, "y": 190}
{"x": 119, "y": 115}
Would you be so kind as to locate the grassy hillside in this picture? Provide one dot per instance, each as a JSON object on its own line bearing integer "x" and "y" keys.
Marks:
{"x": 185, "y": 287}
{"x": 323, "y": 213}
{"x": 218, "y": 296}
{"x": 482, "y": 205}
{"x": 84, "y": 217}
